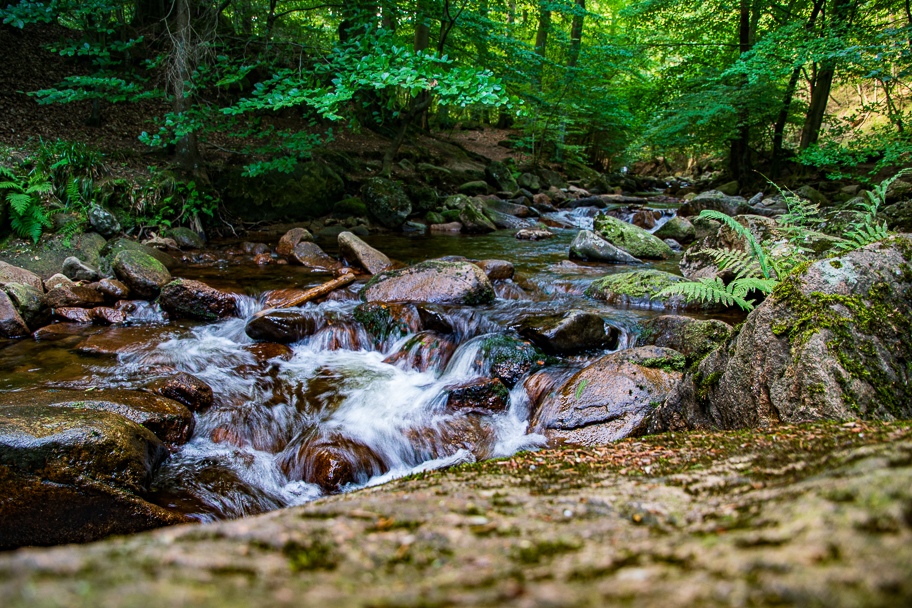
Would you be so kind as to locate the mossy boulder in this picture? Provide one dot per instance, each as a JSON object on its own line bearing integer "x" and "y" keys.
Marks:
{"x": 112, "y": 248}
{"x": 831, "y": 342}
{"x": 11, "y": 323}
{"x": 187, "y": 299}
{"x": 350, "y": 207}
{"x": 185, "y": 238}
{"x": 14, "y": 274}
{"x": 308, "y": 192}
{"x": 386, "y": 201}
{"x": 474, "y": 221}
{"x": 511, "y": 358}
{"x": 677, "y": 228}
{"x": 75, "y": 474}
{"x": 437, "y": 218}
{"x": 632, "y": 239}
{"x": 640, "y": 288}
{"x": 432, "y": 281}
{"x": 29, "y": 303}
{"x": 424, "y": 198}
{"x": 143, "y": 274}
{"x": 692, "y": 337}
{"x": 499, "y": 175}
{"x": 588, "y": 245}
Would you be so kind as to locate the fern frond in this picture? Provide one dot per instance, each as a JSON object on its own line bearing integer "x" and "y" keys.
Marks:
{"x": 11, "y": 186}
{"x": 711, "y": 290}
{"x": 754, "y": 248}
{"x": 741, "y": 263}
{"x": 20, "y": 202}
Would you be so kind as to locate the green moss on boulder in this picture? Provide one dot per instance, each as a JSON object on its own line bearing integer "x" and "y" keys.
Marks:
{"x": 632, "y": 239}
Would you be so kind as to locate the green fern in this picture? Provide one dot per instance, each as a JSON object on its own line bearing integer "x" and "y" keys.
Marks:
{"x": 28, "y": 217}
{"x": 866, "y": 228}
{"x": 755, "y": 249}
{"x": 714, "y": 291}
{"x": 741, "y": 263}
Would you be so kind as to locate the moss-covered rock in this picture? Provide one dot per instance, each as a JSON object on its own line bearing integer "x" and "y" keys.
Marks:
{"x": 29, "y": 303}
{"x": 632, "y": 239}
{"x": 350, "y": 207}
{"x": 437, "y": 218}
{"x": 432, "y": 281}
{"x": 499, "y": 175}
{"x": 424, "y": 198}
{"x": 11, "y": 323}
{"x": 570, "y": 332}
{"x": 677, "y": 228}
{"x": 310, "y": 191}
{"x": 112, "y": 248}
{"x": 386, "y": 201}
{"x": 511, "y": 358}
{"x": 692, "y": 337}
{"x": 474, "y": 221}
{"x": 640, "y": 288}
{"x": 185, "y": 238}
{"x": 588, "y": 245}
{"x": 143, "y": 274}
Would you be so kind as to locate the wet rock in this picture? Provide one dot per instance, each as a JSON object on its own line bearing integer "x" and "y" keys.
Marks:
{"x": 715, "y": 201}
{"x": 511, "y": 358}
{"x": 480, "y": 396}
{"x": 502, "y": 221}
{"x": 184, "y": 388}
{"x": 263, "y": 259}
{"x": 425, "y": 351}
{"x": 675, "y": 246}
{"x": 640, "y": 288}
{"x": 264, "y": 351}
{"x": 831, "y": 342}
{"x": 514, "y": 209}
{"x": 571, "y": 332}
{"x": 693, "y": 338}
{"x": 290, "y": 239}
{"x": 143, "y": 274}
{"x": 643, "y": 219}
{"x": 282, "y": 326}
{"x": 102, "y": 315}
{"x": 84, "y": 316}
{"x": 11, "y": 323}
{"x": 332, "y": 462}
{"x": 677, "y": 228}
{"x": 386, "y": 201}
{"x": 704, "y": 227}
{"x": 113, "y": 289}
{"x": 533, "y": 234}
{"x": 588, "y": 245}
{"x": 73, "y": 296}
{"x": 255, "y": 248}
{"x": 899, "y": 216}
{"x": 359, "y": 253}
{"x": 499, "y": 175}
{"x": 529, "y": 181}
{"x": 57, "y": 280}
{"x": 311, "y": 256}
{"x": 163, "y": 244}
{"x": 186, "y": 299}
{"x": 384, "y": 320}
{"x": 14, "y": 274}
{"x": 185, "y": 238}
{"x": 609, "y": 400}
{"x": 474, "y": 188}
{"x": 168, "y": 420}
{"x": 437, "y": 282}
{"x": 452, "y": 227}
{"x": 114, "y": 341}
{"x": 496, "y": 270}
{"x": 635, "y": 241}
{"x": 103, "y": 221}
{"x": 474, "y": 221}
{"x": 29, "y": 303}
{"x": 114, "y": 247}
{"x": 697, "y": 263}
{"x": 77, "y": 270}
{"x": 74, "y": 475}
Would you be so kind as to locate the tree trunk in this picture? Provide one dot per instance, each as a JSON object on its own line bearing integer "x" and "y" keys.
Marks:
{"x": 187, "y": 149}
{"x": 823, "y": 84}
{"x": 150, "y": 12}
{"x": 422, "y": 42}
{"x": 739, "y": 155}
{"x": 541, "y": 44}
{"x": 576, "y": 35}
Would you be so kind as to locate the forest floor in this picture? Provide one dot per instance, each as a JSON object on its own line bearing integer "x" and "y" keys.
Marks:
{"x": 817, "y": 515}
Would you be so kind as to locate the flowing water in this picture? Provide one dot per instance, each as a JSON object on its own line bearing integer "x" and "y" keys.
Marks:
{"x": 339, "y": 397}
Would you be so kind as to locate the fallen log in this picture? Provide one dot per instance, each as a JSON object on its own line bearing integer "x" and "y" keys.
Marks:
{"x": 289, "y": 298}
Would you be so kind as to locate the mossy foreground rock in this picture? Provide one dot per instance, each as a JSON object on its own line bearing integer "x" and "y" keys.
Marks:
{"x": 832, "y": 342}
{"x": 71, "y": 474}
{"x": 432, "y": 281}
{"x": 639, "y": 289}
{"x": 632, "y": 239}
{"x": 808, "y": 516}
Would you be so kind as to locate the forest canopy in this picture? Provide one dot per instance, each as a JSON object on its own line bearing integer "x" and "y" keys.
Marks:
{"x": 761, "y": 86}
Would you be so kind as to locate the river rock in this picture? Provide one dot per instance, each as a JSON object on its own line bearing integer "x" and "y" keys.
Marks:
{"x": 14, "y": 274}
{"x": 431, "y": 281}
{"x": 311, "y": 256}
{"x": 677, "y": 228}
{"x": 643, "y": 219}
{"x": 451, "y": 227}
{"x": 496, "y": 270}
{"x": 104, "y": 315}
{"x": 265, "y": 351}
{"x": 357, "y": 252}
{"x": 103, "y": 221}
{"x": 74, "y": 475}
{"x": 30, "y": 303}
{"x": 568, "y": 333}
{"x": 58, "y": 280}
{"x": 697, "y": 263}
{"x": 75, "y": 296}
{"x": 143, "y": 274}
{"x": 282, "y": 326}
{"x": 186, "y": 299}
{"x": 480, "y": 396}
{"x": 386, "y": 201}
{"x": 499, "y": 175}
{"x": 290, "y": 239}
{"x": 83, "y": 316}
{"x": 11, "y": 323}
{"x": 514, "y": 209}
{"x": 639, "y": 288}
{"x": 529, "y": 182}
{"x": 533, "y": 234}
{"x": 510, "y": 358}
{"x": 474, "y": 188}
{"x": 715, "y": 201}
{"x": 331, "y": 462}
{"x": 588, "y": 245}
{"x": 184, "y": 388}
{"x": 114, "y": 247}
{"x": 830, "y": 342}
{"x": 425, "y": 351}
{"x": 185, "y": 238}
{"x": 704, "y": 227}
{"x": 383, "y": 320}
{"x": 503, "y": 221}
{"x": 77, "y": 270}
{"x": 113, "y": 289}
{"x": 692, "y": 337}
{"x": 611, "y": 399}
{"x": 635, "y": 241}
{"x": 474, "y": 221}
{"x": 167, "y": 419}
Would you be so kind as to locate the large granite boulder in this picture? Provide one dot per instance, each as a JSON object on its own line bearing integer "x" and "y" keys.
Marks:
{"x": 831, "y": 342}
{"x": 678, "y": 228}
{"x": 569, "y": 333}
{"x": 499, "y": 175}
{"x": 290, "y": 240}
{"x": 691, "y": 337}
{"x": 588, "y": 245}
{"x": 610, "y": 399}
{"x": 632, "y": 239}
{"x": 143, "y": 274}
{"x": 432, "y": 281}
{"x": 71, "y": 474}
{"x": 187, "y": 299}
